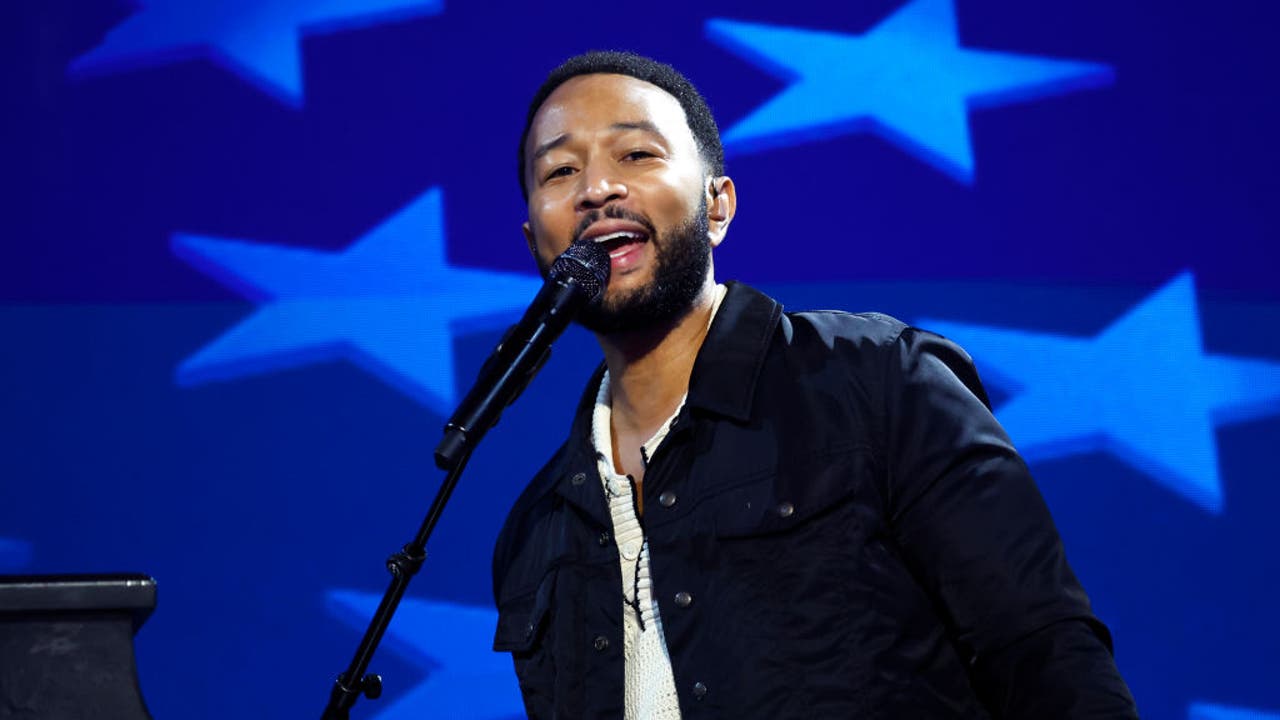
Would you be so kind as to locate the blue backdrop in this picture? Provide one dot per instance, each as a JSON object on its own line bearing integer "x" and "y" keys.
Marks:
{"x": 255, "y": 250}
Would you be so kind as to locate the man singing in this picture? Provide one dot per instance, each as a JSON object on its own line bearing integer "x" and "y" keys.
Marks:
{"x": 761, "y": 514}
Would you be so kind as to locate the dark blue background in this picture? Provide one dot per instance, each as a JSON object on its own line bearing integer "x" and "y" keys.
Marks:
{"x": 250, "y": 500}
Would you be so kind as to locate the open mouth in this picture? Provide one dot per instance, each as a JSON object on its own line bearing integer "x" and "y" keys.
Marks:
{"x": 618, "y": 243}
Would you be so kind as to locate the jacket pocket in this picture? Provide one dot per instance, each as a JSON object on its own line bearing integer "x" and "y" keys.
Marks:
{"x": 791, "y": 497}
{"x": 523, "y": 619}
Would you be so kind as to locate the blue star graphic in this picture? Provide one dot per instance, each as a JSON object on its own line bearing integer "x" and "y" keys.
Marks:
{"x": 14, "y": 554}
{"x": 906, "y": 79}
{"x": 390, "y": 302}
{"x": 258, "y": 39}
{"x": 1206, "y": 711}
{"x": 465, "y": 678}
{"x": 1142, "y": 389}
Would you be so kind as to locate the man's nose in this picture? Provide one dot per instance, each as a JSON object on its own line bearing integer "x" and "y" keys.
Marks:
{"x": 599, "y": 187}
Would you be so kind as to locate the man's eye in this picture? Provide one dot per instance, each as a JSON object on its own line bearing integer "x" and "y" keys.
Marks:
{"x": 639, "y": 155}
{"x": 561, "y": 171}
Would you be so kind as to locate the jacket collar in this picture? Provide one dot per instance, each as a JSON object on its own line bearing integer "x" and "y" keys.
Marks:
{"x": 723, "y": 382}
{"x": 728, "y": 365}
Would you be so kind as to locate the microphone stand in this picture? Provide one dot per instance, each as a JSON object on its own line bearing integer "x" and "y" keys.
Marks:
{"x": 576, "y": 278}
{"x": 402, "y": 565}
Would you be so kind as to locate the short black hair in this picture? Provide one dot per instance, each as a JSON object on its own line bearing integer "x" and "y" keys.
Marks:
{"x": 696, "y": 112}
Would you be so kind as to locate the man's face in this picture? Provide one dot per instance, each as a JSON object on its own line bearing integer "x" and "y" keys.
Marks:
{"x": 611, "y": 159}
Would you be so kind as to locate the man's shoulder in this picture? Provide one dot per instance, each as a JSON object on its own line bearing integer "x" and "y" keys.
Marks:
{"x": 862, "y": 337}
{"x": 543, "y": 481}
{"x": 861, "y": 333}
{"x": 873, "y": 325}
{"x": 532, "y": 503}
{"x": 748, "y": 308}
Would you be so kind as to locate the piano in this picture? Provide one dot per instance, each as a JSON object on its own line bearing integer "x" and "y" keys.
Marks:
{"x": 66, "y": 646}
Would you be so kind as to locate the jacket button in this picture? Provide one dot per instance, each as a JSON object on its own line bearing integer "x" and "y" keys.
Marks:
{"x": 786, "y": 510}
{"x": 684, "y": 599}
{"x": 603, "y": 539}
{"x": 528, "y": 630}
{"x": 601, "y": 643}
{"x": 578, "y": 478}
{"x": 699, "y": 691}
{"x": 667, "y": 499}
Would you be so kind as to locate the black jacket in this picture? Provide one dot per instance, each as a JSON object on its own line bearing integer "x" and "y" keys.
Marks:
{"x": 855, "y": 532}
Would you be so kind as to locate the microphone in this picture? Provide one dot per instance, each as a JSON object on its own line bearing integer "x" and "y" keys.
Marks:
{"x": 577, "y": 279}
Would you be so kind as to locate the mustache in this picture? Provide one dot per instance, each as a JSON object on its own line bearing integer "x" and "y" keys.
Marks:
{"x": 613, "y": 212}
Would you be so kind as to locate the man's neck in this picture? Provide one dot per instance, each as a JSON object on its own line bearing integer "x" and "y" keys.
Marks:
{"x": 649, "y": 370}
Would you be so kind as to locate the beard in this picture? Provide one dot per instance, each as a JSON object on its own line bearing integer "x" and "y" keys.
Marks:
{"x": 682, "y": 258}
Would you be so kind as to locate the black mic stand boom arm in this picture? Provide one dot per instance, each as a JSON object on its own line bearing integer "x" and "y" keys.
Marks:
{"x": 577, "y": 278}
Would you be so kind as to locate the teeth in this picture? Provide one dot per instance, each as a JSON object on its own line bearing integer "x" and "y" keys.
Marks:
{"x": 622, "y": 235}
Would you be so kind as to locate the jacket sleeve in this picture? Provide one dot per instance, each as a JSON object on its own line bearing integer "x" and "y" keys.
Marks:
{"x": 978, "y": 536}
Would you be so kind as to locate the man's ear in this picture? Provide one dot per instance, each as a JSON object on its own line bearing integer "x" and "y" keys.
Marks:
{"x": 528, "y": 238}
{"x": 722, "y": 204}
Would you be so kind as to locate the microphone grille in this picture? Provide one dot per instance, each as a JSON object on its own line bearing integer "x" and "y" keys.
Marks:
{"x": 585, "y": 263}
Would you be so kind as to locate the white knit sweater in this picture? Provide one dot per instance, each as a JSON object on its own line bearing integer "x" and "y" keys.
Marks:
{"x": 649, "y": 685}
{"x": 649, "y": 690}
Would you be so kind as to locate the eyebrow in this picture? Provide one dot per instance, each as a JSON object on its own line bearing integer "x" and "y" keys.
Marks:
{"x": 550, "y": 145}
{"x": 553, "y": 143}
{"x": 644, "y": 125}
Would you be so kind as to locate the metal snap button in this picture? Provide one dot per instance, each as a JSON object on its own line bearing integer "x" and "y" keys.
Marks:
{"x": 667, "y": 499}
{"x": 578, "y": 478}
{"x": 603, "y": 539}
{"x": 786, "y": 510}
{"x": 601, "y": 643}
{"x": 684, "y": 599}
{"x": 699, "y": 690}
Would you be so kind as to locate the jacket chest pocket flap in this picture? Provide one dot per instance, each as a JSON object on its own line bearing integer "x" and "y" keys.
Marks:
{"x": 523, "y": 619}
{"x": 790, "y": 497}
